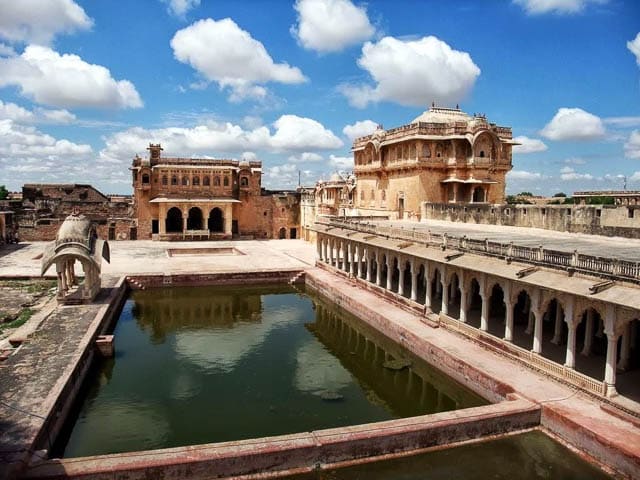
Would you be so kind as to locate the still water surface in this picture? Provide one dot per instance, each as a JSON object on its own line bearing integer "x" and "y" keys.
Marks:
{"x": 531, "y": 455}
{"x": 208, "y": 364}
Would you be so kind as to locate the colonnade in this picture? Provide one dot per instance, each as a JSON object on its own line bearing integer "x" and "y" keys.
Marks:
{"x": 551, "y": 317}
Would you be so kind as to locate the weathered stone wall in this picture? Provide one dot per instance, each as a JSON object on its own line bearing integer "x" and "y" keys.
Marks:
{"x": 590, "y": 219}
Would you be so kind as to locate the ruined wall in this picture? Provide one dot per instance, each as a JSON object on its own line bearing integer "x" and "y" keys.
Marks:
{"x": 606, "y": 220}
{"x": 265, "y": 215}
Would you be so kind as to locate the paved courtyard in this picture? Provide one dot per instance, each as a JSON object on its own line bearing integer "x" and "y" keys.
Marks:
{"x": 622, "y": 248}
{"x": 146, "y": 256}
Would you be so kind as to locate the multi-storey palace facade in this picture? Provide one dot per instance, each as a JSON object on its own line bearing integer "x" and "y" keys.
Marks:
{"x": 442, "y": 156}
{"x": 188, "y": 198}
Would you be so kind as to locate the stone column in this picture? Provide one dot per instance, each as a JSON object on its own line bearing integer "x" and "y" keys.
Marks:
{"x": 508, "y": 327}
{"x": 353, "y": 258}
{"x": 228, "y": 219}
{"x": 401, "y": 264}
{"x": 369, "y": 264}
{"x": 162, "y": 219}
{"x": 378, "y": 268}
{"x": 445, "y": 295}
{"x": 610, "y": 366}
{"x": 557, "y": 327}
{"x": 463, "y": 302}
{"x": 427, "y": 295}
{"x": 537, "y": 332}
{"x": 362, "y": 261}
{"x": 484, "y": 312}
{"x": 625, "y": 350}
{"x": 414, "y": 280}
{"x": 389, "y": 273}
{"x": 570, "y": 359}
{"x": 319, "y": 248}
{"x": 588, "y": 334}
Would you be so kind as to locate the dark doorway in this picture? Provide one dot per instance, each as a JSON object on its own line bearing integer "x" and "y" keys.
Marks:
{"x": 173, "y": 222}
{"x": 400, "y": 208}
{"x": 112, "y": 232}
{"x": 154, "y": 226}
{"x": 282, "y": 234}
{"x": 216, "y": 220}
{"x": 133, "y": 233}
{"x": 234, "y": 227}
{"x": 478, "y": 195}
{"x": 293, "y": 233}
{"x": 194, "y": 220}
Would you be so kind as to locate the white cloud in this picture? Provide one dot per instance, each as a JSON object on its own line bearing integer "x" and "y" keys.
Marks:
{"x": 635, "y": 177}
{"x": 634, "y": 47}
{"x": 575, "y": 161}
{"x": 528, "y": 145}
{"x": 179, "y": 8}
{"x": 538, "y": 7}
{"x": 569, "y": 174}
{"x": 18, "y": 114}
{"x": 292, "y": 134}
{"x": 632, "y": 146}
{"x": 20, "y": 143}
{"x": 65, "y": 80}
{"x": 412, "y": 73}
{"x": 331, "y": 25}
{"x": 359, "y": 129}
{"x": 523, "y": 175}
{"x": 573, "y": 124}
{"x": 37, "y": 21}
{"x": 300, "y": 133}
{"x": 341, "y": 163}
{"x": 622, "y": 122}
{"x": 224, "y": 53}
{"x": 306, "y": 157}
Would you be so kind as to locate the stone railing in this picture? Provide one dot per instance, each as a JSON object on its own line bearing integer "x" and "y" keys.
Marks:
{"x": 528, "y": 357}
{"x": 605, "y": 267}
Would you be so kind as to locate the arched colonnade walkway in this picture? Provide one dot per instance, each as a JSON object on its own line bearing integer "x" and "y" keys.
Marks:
{"x": 558, "y": 328}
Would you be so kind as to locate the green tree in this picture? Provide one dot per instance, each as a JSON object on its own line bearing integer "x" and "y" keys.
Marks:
{"x": 4, "y": 193}
{"x": 560, "y": 194}
{"x": 525, "y": 194}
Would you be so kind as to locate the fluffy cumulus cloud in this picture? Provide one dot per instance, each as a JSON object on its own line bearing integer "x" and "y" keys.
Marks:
{"x": 341, "y": 163}
{"x": 331, "y": 25}
{"x": 224, "y": 53}
{"x": 47, "y": 77}
{"x": 18, "y": 114}
{"x": 622, "y": 122}
{"x": 35, "y": 21}
{"x": 291, "y": 134}
{"x": 538, "y": 7}
{"x": 412, "y": 73}
{"x": 359, "y": 129}
{"x": 179, "y": 8}
{"x": 528, "y": 145}
{"x": 306, "y": 157}
{"x": 523, "y": 175}
{"x": 634, "y": 47}
{"x": 632, "y": 146}
{"x": 569, "y": 174}
{"x": 573, "y": 124}
{"x": 27, "y": 154}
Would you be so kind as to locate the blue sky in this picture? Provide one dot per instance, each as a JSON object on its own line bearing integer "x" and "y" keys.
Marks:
{"x": 86, "y": 85}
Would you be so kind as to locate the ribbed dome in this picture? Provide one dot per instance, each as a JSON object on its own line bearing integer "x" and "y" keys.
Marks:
{"x": 443, "y": 115}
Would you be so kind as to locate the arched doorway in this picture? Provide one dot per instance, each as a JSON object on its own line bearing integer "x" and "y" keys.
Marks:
{"x": 216, "y": 220}
{"x": 194, "y": 220}
{"x": 282, "y": 234}
{"x": 173, "y": 222}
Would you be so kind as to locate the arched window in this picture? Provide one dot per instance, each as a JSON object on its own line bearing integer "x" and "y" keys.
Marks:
{"x": 145, "y": 178}
{"x": 426, "y": 151}
{"x": 206, "y": 181}
{"x": 185, "y": 181}
{"x": 244, "y": 182}
{"x": 174, "y": 180}
{"x": 165, "y": 180}
{"x": 196, "y": 181}
{"x": 216, "y": 181}
{"x": 481, "y": 153}
{"x": 226, "y": 181}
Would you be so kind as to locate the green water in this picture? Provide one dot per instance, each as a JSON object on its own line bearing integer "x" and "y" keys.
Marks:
{"x": 531, "y": 455}
{"x": 209, "y": 364}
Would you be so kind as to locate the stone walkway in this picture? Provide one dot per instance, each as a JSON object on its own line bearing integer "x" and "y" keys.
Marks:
{"x": 622, "y": 248}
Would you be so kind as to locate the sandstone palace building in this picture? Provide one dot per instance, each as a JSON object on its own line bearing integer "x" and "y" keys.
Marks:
{"x": 189, "y": 198}
{"x": 442, "y": 156}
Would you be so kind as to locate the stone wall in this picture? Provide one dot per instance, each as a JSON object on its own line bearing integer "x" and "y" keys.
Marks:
{"x": 607, "y": 220}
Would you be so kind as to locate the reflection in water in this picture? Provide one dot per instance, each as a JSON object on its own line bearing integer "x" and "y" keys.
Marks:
{"x": 207, "y": 364}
